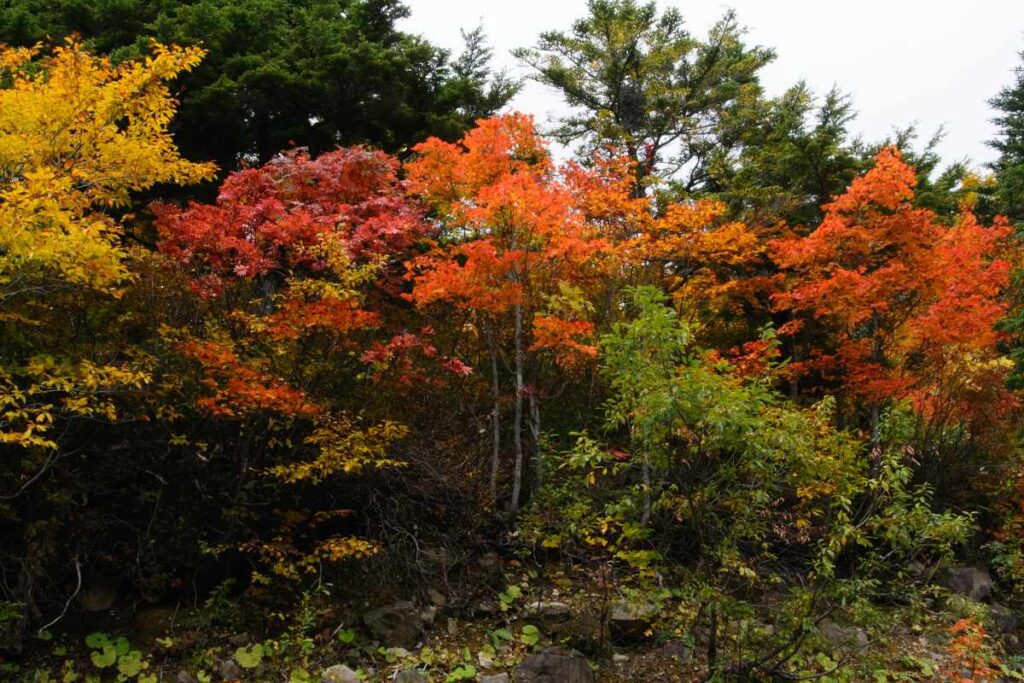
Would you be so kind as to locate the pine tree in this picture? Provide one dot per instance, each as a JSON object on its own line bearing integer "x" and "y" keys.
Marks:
{"x": 1009, "y": 167}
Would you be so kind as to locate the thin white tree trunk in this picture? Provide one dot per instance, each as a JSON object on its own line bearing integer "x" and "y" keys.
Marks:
{"x": 495, "y": 416}
{"x": 517, "y": 427}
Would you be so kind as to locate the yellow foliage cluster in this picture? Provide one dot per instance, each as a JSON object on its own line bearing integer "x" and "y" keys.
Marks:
{"x": 77, "y": 136}
{"x": 287, "y": 559}
{"x": 84, "y": 389}
{"x": 345, "y": 449}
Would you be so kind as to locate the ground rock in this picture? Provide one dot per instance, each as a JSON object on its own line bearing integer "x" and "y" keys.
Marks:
{"x": 410, "y": 676}
{"x": 397, "y": 625}
{"x": 98, "y": 597}
{"x": 549, "y": 611}
{"x": 339, "y": 673}
{"x": 553, "y": 666}
{"x": 974, "y": 583}
{"x": 1005, "y": 619}
{"x": 843, "y": 636}
{"x": 153, "y": 622}
{"x": 495, "y": 678}
{"x": 630, "y": 621}
{"x": 677, "y": 649}
{"x": 240, "y": 639}
{"x": 229, "y": 670}
{"x": 439, "y": 599}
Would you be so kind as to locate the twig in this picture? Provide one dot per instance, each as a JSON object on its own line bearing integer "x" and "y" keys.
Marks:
{"x": 78, "y": 571}
{"x": 49, "y": 462}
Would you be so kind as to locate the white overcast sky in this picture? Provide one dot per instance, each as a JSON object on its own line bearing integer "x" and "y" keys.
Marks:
{"x": 931, "y": 62}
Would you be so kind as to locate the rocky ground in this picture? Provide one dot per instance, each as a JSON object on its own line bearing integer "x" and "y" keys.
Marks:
{"x": 567, "y": 632}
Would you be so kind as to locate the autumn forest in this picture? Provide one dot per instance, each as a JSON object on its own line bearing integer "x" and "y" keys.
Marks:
{"x": 319, "y": 362}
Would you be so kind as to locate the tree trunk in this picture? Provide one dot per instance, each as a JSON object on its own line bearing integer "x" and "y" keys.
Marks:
{"x": 645, "y": 481}
{"x": 794, "y": 382}
{"x": 538, "y": 462}
{"x": 517, "y": 427}
{"x": 495, "y": 416}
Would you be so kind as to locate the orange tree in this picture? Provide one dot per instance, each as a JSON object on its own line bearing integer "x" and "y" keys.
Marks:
{"x": 903, "y": 306}
{"x": 715, "y": 269}
{"x": 519, "y": 254}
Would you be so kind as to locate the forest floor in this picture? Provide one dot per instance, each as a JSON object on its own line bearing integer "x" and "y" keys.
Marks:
{"x": 560, "y": 627}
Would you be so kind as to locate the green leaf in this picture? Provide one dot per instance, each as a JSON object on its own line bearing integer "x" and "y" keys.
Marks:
{"x": 508, "y": 596}
{"x": 97, "y": 640}
{"x": 121, "y": 646}
{"x": 131, "y": 664}
{"x": 249, "y": 657}
{"x": 463, "y": 672}
{"x": 498, "y": 636}
{"x": 105, "y": 658}
{"x": 531, "y": 635}
{"x": 347, "y": 635}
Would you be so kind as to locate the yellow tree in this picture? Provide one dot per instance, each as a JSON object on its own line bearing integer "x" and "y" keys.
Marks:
{"x": 78, "y": 135}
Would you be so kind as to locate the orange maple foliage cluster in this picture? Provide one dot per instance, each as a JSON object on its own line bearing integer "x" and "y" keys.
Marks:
{"x": 909, "y": 304}
{"x": 712, "y": 259}
{"x": 236, "y": 388}
{"x": 515, "y": 230}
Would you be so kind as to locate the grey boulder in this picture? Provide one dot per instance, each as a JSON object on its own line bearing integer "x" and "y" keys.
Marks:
{"x": 974, "y": 583}
{"x": 339, "y": 673}
{"x": 397, "y": 625}
{"x": 553, "y": 666}
{"x": 410, "y": 676}
{"x": 549, "y": 611}
{"x": 843, "y": 636}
